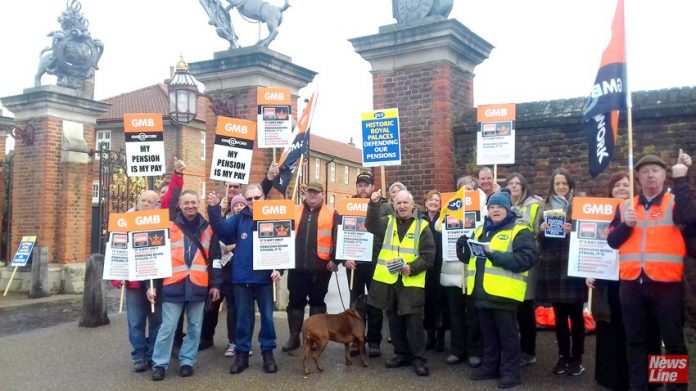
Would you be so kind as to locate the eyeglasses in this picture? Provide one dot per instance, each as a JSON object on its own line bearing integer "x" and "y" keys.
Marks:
{"x": 235, "y": 186}
{"x": 254, "y": 198}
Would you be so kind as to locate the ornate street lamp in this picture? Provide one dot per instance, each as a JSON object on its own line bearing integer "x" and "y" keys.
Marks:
{"x": 183, "y": 94}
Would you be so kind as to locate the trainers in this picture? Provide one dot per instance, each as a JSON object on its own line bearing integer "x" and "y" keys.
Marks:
{"x": 453, "y": 359}
{"x": 527, "y": 359}
{"x": 575, "y": 368}
{"x": 230, "y": 350}
{"x": 561, "y": 366}
{"x": 474, "y": 361}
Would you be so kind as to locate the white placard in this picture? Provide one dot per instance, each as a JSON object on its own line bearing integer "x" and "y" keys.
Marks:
{"x": 274, "y": 245}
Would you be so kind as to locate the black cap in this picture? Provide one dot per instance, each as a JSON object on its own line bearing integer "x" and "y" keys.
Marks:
{"x": 366, "y": 177}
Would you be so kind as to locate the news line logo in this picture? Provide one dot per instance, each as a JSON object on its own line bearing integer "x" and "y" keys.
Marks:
{"x": 668, "y": 369}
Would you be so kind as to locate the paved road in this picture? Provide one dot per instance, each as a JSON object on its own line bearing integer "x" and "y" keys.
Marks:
{"x": 66, "y": 357}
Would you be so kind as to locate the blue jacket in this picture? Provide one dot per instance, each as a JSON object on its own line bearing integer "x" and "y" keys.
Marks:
{"x": 239, "y": 229}
{"x": 185, "y": 290}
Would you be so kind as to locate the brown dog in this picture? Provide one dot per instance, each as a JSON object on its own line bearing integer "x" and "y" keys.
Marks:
{"x": 346, "y": 328}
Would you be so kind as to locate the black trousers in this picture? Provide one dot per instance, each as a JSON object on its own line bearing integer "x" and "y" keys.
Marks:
{"x": 407, "y": 335}
{"x": 563, "y": 312}
{"x": 210, "y": 316}
{"x": 501, "y": 343}
{"x": 465, "y": 337}
{"x": 362, "y": 279}
{"x": 526, "y": 320}
{"x": 643, "y": 300}
{"x": 307, "y": 288}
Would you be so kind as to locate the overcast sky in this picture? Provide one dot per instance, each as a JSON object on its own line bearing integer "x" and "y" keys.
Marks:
{"x": 544, "y": 49}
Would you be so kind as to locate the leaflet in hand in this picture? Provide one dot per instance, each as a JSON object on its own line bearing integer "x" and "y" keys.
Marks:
{"x": 555, "y": 220}
{"x": 395, "y": 265}
{"x": 478, "y": 249}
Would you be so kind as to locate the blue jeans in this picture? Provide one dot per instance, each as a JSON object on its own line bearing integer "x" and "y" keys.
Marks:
{"x": 244, "y": 296}
{"x": 165, "y": 338}
{"x": 139, "y": 315}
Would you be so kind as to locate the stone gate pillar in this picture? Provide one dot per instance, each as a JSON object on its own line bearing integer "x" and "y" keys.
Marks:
{"x": 425, "y": 68}
{"x": 51, "y": 181}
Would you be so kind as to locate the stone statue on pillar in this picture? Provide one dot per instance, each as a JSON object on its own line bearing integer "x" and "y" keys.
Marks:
{"x": 74, "y": 55}
{"x": 253, "y": 10}
{"x": 407, "y": 10}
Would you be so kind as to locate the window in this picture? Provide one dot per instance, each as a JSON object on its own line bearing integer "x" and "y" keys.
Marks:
{"x": 203, "y": 145}
{"x": 332, "y": 168}
{"x": 203, "y": 195}
{"x": 103, "y": 141}
{"x": 317, "y": 169}
{"x": 95, "y": 192}
{"x": 357, "y": 172}
{"x": 332, "y": 200}
{"x": 345, "y": 174}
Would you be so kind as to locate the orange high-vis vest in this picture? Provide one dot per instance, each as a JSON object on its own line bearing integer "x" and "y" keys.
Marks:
{"x": 198, "y": 271}
{"x": 655, "y": 245}
{"x": 324, "y": 229}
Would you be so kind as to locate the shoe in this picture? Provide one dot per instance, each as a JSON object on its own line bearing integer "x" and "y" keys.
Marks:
{"x": 420, "y": 368}
{"x": 508, "y": 383}
{"x": 439, "y": 341}
{"x": 474, "y": 361}
{"x": 373, "y": 350}
{"x": 354, "y": 349}
{"x": 230, "y": 350}
{"x": 430, "y": 341}
{"x": 269, "y": 362}
{"x": 561, "y": 366}
{"x": 140, "y": 366}
{"x": 397, "y": 361}
{"x": 241, "y": 362}
{"x": 453, "y": 359}
{"x": 205, "y": 344}
{"x": 186, "y": 371}
{"x": 575, "y": 368}
{"x": 527, "y": 359}
{"x": 480, "y": 375}
{"x": 158, "y": 373}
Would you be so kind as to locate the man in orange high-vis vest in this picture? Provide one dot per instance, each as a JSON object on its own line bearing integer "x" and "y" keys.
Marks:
{"x": 193, "y": 248}
{"x": 651, "y": 261}
{"x": 308, "y": 282}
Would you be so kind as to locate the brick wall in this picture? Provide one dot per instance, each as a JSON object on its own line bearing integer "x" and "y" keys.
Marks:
{"x": 549, "y": 135}
{"x": 428, "y": 97}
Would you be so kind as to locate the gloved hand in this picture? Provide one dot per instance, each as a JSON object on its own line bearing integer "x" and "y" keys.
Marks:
{"x": 461, "y": 242}
{"x": 461, "y": 245}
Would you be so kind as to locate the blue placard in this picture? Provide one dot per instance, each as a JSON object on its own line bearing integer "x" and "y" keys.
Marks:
{"x": 381, "y": 145}
{"x": 23, "y": 253}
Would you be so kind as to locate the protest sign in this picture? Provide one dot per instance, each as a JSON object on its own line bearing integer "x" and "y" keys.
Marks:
{"x": 147, "y": 246}
{"x": 144, "y": 144}
{"x": 21, "y": 257}
{"x": 495, "y": 139}
{"x": 274, "y": 116}
{"x": 458, "y": 221}
{"x": 232, "y": 153}
{"x": 555, "y": 220}
{"x": 590, "y": 256}
{"x": 353, "y": 242}
{"x": 274, "y": 237}
{"x": 381, "y": 145}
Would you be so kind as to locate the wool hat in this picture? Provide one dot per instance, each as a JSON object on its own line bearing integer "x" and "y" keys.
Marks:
{"x": 237, "y": 199}
{"x": 501, "y": 198}
{"x": 650, "y": 159}
{"x": 365, "y": 177}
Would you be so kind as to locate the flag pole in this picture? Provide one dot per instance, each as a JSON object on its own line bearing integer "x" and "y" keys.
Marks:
{"x": 629, "y": 118}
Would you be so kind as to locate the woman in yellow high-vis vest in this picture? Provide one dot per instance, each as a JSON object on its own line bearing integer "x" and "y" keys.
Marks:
{"x": 497, "y": 282}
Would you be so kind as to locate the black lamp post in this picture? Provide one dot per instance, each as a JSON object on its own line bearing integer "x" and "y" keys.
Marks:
{"x": 183, "y": 94}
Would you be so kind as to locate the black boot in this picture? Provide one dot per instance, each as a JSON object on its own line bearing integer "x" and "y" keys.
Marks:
{"x": 430, "y": 341}
{"x": 241, "y": 362}
{"x": 317, "y": 310}
{"x": 269, "y": 362}
{"x": 295, "y": 318}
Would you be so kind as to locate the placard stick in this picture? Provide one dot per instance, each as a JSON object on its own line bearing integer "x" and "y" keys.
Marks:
{"x": 352, "y": 273}
{"x": 589, "y": 301}
{"x": 463, "y": 222}
{"x": 10, "y": 282}
{"x": 495, "y": 173}
{"x": 152, "y": 305}
{"x": 384, "y": 180}
{"x": 274, "y": 156}
{"x": 123, "y": 293}
{"x": 274, "y": 289}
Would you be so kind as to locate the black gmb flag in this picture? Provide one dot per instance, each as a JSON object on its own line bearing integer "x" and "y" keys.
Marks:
{"x": 299, "y": 143}
{"x": 608, "y": 96}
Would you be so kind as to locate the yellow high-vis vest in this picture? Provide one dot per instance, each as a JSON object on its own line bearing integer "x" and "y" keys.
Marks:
{"x": 406, "y": 249}
{"x": 498, "y": 281}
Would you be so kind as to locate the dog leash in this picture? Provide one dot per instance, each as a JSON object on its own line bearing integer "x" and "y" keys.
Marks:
{"x": 338, "y": 287}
